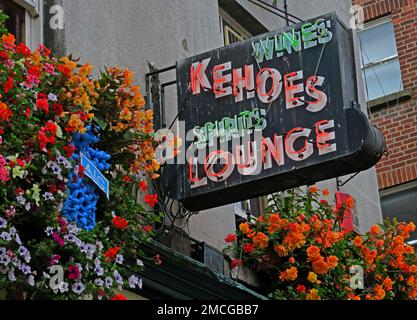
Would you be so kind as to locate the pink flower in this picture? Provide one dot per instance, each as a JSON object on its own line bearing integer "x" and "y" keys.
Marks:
{"x": 73, "y": 273}
{"x": 54, "y": 260}
{"x": 4, "y": 174}
{"x": 236, "y": 263}
{"x": 49, "y": 68}
{"x": 58, "y": 239}
{"x": 11, "y": 212}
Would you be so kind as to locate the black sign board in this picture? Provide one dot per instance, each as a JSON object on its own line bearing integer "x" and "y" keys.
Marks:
{"x": 270, "y": 113}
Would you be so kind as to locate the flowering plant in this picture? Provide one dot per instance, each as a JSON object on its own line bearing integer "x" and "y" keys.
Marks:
{"x": 302, "y": 252}
{"x": 60, "y": 237}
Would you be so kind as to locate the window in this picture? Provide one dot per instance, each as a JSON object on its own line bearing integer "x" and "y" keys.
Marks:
{"x": 380, "y": 64}
{"x": 16, "y": 22}
{"x": 24, "y": 20}
{"x": 231, "y": 30}
{"x": 401, "y": 203}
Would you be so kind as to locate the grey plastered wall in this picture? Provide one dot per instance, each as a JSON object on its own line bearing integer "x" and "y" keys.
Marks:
{"x": 133, "y": 33}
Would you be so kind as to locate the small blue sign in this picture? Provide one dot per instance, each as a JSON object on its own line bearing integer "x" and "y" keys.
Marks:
{"x": 94, "y": 174}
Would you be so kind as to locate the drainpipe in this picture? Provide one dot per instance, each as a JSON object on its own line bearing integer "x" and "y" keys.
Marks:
{"x": 54, "y": 38}
{"x": 286, "y": 12}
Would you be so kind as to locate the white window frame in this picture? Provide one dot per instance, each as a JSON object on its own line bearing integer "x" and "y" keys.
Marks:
{"x": 231, "y": 25}
{"x": 364, "y": 67}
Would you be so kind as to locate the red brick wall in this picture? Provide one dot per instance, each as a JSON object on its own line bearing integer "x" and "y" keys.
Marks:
{"x": 398, "y": 122}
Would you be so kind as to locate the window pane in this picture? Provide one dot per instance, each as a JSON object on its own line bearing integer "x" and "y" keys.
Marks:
{"x": 378, "y": 42}
{"x": 401, "y": 205}
{"x": 389, "y": 76}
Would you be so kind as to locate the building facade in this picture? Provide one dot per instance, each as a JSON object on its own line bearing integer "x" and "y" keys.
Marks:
{"x": 390, "y": 71}
{"x": 149, "y": 35}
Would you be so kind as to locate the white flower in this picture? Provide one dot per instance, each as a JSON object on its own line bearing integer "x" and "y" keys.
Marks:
{"x": 139, "y": 263}
{"x": 31, "y": 281}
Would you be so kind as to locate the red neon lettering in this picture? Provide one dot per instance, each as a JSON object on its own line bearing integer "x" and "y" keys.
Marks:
{"x": 311, "y": 84}
{"x": 217, "y": 81}
{"x": 191, "y": 178}
{"x": 288, "y": 88}
{"x": 195, "y": 76}
{"x": 237, "y": 79}
{"x": 247, "y": 163}
{"x": 258, "y": 82}
{"x": 321, "y": 134}
{"x": 212, "y": 173}
{"x": 274, "y": 151}
{"x": 286, "y": 142}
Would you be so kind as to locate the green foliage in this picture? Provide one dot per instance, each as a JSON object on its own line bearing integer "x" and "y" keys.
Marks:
{"x": 3, "y": 19}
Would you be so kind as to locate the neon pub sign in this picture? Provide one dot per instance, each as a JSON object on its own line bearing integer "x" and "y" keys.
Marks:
{"x": 270, "y": 113}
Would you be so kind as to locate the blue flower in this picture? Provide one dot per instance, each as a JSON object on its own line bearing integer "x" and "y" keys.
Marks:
{"x": 99, "y": 282}
{"x": 6, "y": 236}
{"x": 23, "y": 251}
{"x": 119, "y": 259}
{"x": 4, "y": 260}
{"x": 3, "y": 223}
{"x": 133, "y": 281}
{"x": 108, "y": 282}
{"x": 118, "y": 277}
{"x": 78, "y": 288}
{"x": 26, "y": 269}
{"x": 99, "y": 270}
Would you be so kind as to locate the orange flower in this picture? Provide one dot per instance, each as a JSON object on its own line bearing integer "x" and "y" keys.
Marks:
{"x": 320, "y": 266}
{"x": 5, "y": 112}
{"x": 295, "y": 239}
{"x": 326, "y": 192}
{"x": 314, "y": 189}
{"x": 71, "y": 65}
{"x": 281, "y": 251}
{"x": 244, "y": 228}
{"x": 350, "y": 203}
{"x": 75, "y": 124}
{"x": 358, "y": 241}
{"x": 261, "y": 240}
{"x": 410, "y": 281}
{"x": 379, "y": 292}
{"x": 387, "y": 284}
{"x": 8, "y": 40}
{"x": 86, "y": 70}
{"x": 313, "y": 253}
{"x": 125, "y": 114}
{"x": 380, "y": 243}
{"x": 289, "y": 274}
{"x": 374, "y": 230}
{"x": 313, "y": 295}
{"x": 274, "y": 218}
{"x": 351, "y": 296}
{"x": 332, "y": 261}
